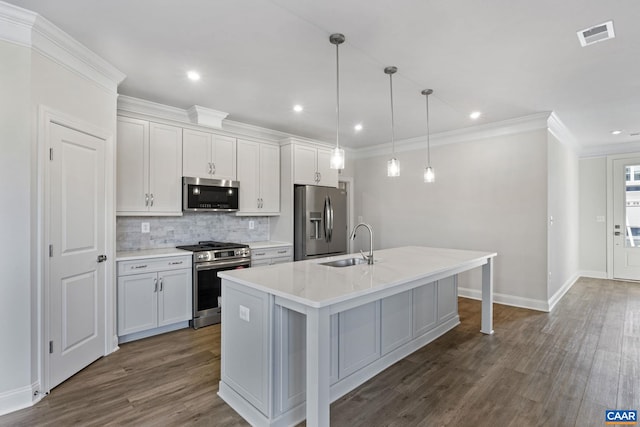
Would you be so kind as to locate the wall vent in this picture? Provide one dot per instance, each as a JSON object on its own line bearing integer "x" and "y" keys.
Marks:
{"x": 597, "y": 33}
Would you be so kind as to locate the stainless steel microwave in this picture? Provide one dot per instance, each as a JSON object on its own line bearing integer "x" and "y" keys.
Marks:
{"x": 209, "y": 195}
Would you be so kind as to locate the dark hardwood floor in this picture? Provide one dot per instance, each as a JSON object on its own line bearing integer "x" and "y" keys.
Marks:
{"x": 539, "y": 369}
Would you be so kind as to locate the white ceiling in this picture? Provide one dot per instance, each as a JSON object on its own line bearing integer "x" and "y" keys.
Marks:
{"x": 506, "y": 58}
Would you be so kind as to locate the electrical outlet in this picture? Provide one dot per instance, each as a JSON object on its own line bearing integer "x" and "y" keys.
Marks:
{"x": 145, "y": 227}
{"x": 600, "y": 218}
{"x": 252, "y": 225}
{"x": 245, "y": 313}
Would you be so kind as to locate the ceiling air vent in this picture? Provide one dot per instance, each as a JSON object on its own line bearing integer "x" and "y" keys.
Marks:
{"x": 598, "y": 33}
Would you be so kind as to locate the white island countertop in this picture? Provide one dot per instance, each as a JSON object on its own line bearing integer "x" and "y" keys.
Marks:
{"x": 314, "y": 285}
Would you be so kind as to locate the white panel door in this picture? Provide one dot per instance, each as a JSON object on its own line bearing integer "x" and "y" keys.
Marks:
{"x": 626, "y": 218}
{"x": 174, "y": 296}
{"x": 327, "y": 177}
{"x": 137, "y": 303}
{"x": 223, "y": 157}
{"x": 196, "y": 161}
{"x": 304, "y": 165}
{"x": 77, "y": 228}
{"x": 248, "y": 170}
{"x": 133, "y": 165}
{"x": 270, "y": 178}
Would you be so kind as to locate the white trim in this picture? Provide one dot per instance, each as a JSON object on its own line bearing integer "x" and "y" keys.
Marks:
{"x": 27, "y": 28}
{"x": 150, "y": 108}
{"x": 624, "y": 149}
{"x": 563, "y": 290}
{"x": 474, "y": 133}
{"x": 206, "y": 116}
{"x": 562, "y": 133}
{"x": 593, "y": 274}
{"x": 512, "y": 300}
{"x": 19, "y": 398}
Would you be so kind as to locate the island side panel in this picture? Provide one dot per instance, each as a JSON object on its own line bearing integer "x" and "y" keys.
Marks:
{"x": 246, "y": 344}
{"x": 487, "y": 297}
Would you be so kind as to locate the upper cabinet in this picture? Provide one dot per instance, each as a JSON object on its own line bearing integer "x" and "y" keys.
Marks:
{"x": 149, "y": 168}
{"x": 259, "y": 177}
{"x": 207, "y": 155}
{"x": 311, "y": 166}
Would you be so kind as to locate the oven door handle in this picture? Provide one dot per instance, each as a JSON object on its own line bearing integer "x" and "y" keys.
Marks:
{"x": 216, "y": 264}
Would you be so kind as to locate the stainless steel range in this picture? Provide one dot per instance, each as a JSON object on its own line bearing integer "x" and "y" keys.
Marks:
{"x": 209, "y": 258}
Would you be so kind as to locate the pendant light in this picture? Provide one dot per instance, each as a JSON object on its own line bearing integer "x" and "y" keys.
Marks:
{"x": 429, "y": 174}
{"x": 337, "y": 154}
{"x": 393, "y": 165}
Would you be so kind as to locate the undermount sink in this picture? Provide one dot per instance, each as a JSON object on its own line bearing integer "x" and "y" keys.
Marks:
{"x": 344, "y": 262}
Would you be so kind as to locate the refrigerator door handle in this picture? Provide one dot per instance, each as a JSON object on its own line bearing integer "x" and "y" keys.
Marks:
{"x": 330, "y": 220}
{"x": 326, "y": 219}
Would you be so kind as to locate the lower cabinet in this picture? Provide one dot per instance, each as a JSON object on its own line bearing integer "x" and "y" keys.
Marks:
{"x": 159, "y": 297}
{"x": 272, "y": 255}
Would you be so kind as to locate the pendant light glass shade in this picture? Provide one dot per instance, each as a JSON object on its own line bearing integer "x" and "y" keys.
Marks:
{"x": 393, "y": 165}
{"x": 429, "y": 174}
{"x": 337, "y": 154}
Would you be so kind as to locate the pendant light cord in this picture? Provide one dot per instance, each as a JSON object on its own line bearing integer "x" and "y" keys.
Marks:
{"x": 428, "y": 133}
{"x": 337, "y": 97}
{"x": 393, "y": 136}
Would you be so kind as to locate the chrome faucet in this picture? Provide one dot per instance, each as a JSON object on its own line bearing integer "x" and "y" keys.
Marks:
{"x": 368, "y": 258}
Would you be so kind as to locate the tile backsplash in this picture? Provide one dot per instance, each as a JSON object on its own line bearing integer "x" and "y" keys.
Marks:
{"x": 167, "y": 232}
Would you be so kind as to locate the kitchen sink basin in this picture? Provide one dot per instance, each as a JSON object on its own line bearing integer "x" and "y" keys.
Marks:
{"x": 344, "y": 262}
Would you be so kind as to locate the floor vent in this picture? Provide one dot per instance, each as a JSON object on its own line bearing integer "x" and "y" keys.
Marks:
{"x": 595, "y": 34}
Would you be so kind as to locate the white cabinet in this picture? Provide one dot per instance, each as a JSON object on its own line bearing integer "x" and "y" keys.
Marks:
{"x": 207, "y": 155}
{"x": 153, "y": 293}
{"x": 270, "y": 256}
{"x": 149, "y": 168}
{"x": 359, "y": 338}
{"x": 311, "y": 166}
{"x": 397, "y": 325}
{"x": 259, "y": 177}
{"x": 424, "y": 308}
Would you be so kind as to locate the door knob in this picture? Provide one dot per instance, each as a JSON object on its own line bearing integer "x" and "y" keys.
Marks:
{"x": 102, "y": 258}
{"x": 616, "y": 233}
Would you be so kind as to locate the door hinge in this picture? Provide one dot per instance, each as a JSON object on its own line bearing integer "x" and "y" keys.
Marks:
{"x": 50, "y": 347}
{"x": 50, "y": 251}
{"x": 50, "y": 153}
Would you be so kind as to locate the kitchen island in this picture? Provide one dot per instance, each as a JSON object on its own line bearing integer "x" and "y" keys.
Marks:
{"x": 297, "y": 336}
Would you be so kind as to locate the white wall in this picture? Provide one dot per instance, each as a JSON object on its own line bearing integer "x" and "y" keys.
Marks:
{"x": 15, "y": 227}
{"x": 593, "y": 204}
{"x": 489, "y": 194}
{"x": 563, "y": 232}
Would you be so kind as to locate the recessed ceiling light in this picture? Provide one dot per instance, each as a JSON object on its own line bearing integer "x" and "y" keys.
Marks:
{"x": 616, "y": 132}
{"x": 193, "y": 75}
{"x": 298, "y": 108}
{"x": 358, "y": 127}
{"x": 475, "y": 115}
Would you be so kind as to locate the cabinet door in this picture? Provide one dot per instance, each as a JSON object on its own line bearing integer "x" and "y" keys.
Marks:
{"x": 248, "y": 169}
{"x": 137, "y": 303}
{"x": 270, "y": 178}
{"x": 328, "y": 177}
{"x": 396, "y": 321}
{"x": 424, "y": 309}
{"x": 304, "y": 165}
{"x": 174, "y": 296}
{"x": 359, "y": 338}
{"x": 165, "y": 168}
{"x": 223, "y": 157}
{"x": 196, "y": 154}
{"x": 133, "y": 167}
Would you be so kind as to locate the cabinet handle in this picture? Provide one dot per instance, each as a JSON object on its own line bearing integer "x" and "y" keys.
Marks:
{"x": 139, "y": 266}
{"x": 151, "y": 199}
{"x": 175, "y": 263}
{"x": 259, "y": 253}
{"x": 213, "y": 168}
{"x": 319, "y": 177}
{"x": 155, "y": 285}
{"x": 282, "y": 252}
{"x": 160, "y": 284}
{"x": 209, "y": 164}
{"x": 261, "y": 203}
{"x": 146, "y": 199}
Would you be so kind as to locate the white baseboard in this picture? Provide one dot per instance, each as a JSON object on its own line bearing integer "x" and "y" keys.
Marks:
{"x": 563, "y": 290}
{"x": 20, "y": 398}
{"x": 498, "y": 298}
{"x": 594, "y": 274}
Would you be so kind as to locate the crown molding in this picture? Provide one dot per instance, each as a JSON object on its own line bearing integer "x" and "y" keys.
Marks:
{"x": 489, "y": 130}
{"x": 29, "y": 29}
{"x": 206, "y": 116}
{"x": 150, "y": 108}
{"x": 609, "y": 150}
{"x": 562, "y": 133}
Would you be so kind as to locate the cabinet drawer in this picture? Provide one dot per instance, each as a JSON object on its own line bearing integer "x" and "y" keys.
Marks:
{"x": 153, "y": 264}
{"x": 283, "y": 251}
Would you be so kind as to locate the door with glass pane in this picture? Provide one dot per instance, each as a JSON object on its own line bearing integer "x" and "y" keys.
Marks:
{"x": 626, "y": 217}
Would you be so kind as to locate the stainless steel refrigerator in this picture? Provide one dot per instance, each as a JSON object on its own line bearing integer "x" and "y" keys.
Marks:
{"x": 320, "y": 222}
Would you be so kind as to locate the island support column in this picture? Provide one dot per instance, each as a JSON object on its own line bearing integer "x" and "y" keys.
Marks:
{"x": 487, "y": 297}
{"x": 318, "y": 359}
